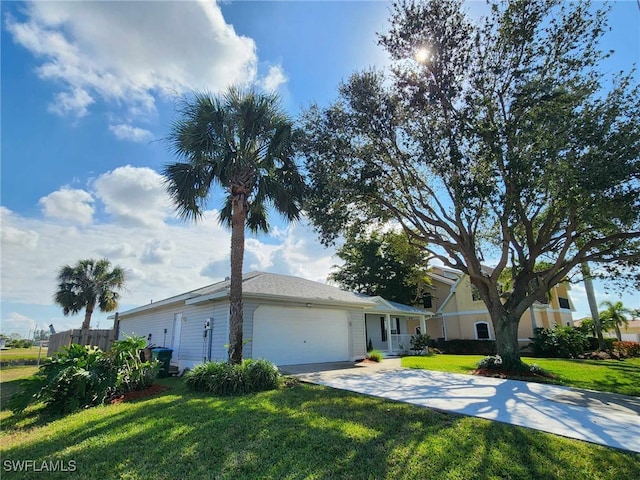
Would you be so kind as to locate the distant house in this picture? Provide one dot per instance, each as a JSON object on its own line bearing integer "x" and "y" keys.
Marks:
{"x": 287, "y": 320}
{"x": 630, "y": 332}
{"x": 459, "y": 313}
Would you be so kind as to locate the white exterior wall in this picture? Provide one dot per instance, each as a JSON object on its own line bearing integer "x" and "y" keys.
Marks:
{"x": 194, "y": 348}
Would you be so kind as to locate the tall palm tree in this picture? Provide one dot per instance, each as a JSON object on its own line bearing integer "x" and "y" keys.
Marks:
{"x": 614, "y": 313}
{"x": 593, "y": 304}
{"x": 242, "y": 142}
{"x": 87, "y": 284}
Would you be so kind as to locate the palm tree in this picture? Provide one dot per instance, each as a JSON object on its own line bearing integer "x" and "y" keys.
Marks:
{"x": 614, "y": 313}
{"x": 242, "y": 142}
{"x": 593, "y": 305}
{"x": 89, "y": 283}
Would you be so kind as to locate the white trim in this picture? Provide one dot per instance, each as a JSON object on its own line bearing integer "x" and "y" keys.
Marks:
{"x": 290, "y": 300}
{"x": 448, "y": 297}
{"x": 475, "y": 329}
{"x": 466, "y": 312}
{"x": 524, "y": 339}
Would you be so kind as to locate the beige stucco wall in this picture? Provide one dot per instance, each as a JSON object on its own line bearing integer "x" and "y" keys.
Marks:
{"x": 461, "y": 313}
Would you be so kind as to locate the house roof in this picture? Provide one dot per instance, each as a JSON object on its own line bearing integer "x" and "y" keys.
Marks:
{"x": 387, "y": 306}
{"x": 262, "y": 285}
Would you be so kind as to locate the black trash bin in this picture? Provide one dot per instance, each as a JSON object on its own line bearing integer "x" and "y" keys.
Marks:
{"x": 163, "y": 355}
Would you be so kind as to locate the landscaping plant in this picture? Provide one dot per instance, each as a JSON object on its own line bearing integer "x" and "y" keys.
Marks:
{"x": 84, "y": 376}
{"x": 225, "y": 378}
{"x": 559, "y": 342}
{"x": 375, "y": 356}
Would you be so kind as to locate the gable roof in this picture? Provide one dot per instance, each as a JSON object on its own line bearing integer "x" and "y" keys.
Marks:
{"x": 273, "y": 285}
{"x": 262, "y": 285}
{"x": 387, "y": 306}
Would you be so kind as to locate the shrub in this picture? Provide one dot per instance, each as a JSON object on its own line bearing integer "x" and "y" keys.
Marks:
{"x": 261, "y": 375}
{"x": 559, "y": 342}
{"x": 420, "y": 343}
{"x": 593, "y": 343}
{"x": 83, "y": 376}
{"x": 490, "y": 363}
{"x": 476, "y": 347}
{"x": 223, "y": 378}
{"x": 627, "y": 349}
{"x": 132, "y": 372}
{"x": 375, "y": 356}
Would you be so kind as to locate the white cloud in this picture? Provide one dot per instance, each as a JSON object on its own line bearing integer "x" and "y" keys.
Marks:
{"x": 128, "y": 132}
{"x": 15, "y": 322}
{"x": 162, "y": 257}
{"x": 274, "y": 78}
{"x": 128, "y": 52}
{"x": 157, "y": 251}
{"x": 68, "y": 204}
{"x": 73, "y": 103}
{"x": 134, "y": 196}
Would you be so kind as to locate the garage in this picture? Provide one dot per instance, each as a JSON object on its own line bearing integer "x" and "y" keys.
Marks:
{"x": 288, "y": 336}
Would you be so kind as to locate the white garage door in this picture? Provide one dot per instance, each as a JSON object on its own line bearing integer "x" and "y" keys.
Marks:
{"x": 287, "y": 336}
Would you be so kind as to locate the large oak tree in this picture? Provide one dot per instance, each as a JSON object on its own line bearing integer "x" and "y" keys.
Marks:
{"x": 499, "y": 140}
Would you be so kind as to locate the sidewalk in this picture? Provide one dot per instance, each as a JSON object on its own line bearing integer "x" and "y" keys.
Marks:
{"x": 603, "y": 418}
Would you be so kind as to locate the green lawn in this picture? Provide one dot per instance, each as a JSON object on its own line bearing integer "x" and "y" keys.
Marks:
{"x": 19, "y": 354}
{"x": 605, "y": 375}
{"x": 10, "y": 378}
{"x": 302, "y": 431}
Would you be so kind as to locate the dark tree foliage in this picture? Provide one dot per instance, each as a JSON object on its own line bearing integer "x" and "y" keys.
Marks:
{"x": 499, "y": 139}
{"x": 383, "y": 264}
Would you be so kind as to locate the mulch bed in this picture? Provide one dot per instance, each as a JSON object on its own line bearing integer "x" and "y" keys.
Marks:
{"x": 485, "y": 372}
{"x": 154, "y": 389}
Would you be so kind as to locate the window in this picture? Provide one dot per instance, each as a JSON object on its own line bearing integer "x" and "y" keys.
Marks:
{"x": 475, "y": 293}
{"x": 564, "y": 303}
{"x": 482, "y": 331}
{"x": 395, "y": 323}
{"x": 383, "y": 330}
{"x": 426, "y": 301}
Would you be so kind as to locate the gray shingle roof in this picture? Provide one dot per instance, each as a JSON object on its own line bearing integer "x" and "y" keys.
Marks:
{"x": 271, "y": 284}
{"x": 265, "y": 285}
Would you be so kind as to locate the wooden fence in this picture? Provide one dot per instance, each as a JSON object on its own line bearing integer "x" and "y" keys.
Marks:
{"x": 99, "y": 338}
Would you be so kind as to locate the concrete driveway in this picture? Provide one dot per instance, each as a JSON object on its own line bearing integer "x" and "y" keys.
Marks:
{"x": 602, "y": 418}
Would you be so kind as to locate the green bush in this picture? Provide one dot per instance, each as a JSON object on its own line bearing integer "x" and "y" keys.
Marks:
{"x": 593, "y": 343}
{"x": 472, "y": 347}
{"x": 559, "y": 342}
{"x": 224, "y": 378}
{"x": 83, "y": 376}
{"x": 375, "y": 356}
{"x": 419, "y": 343}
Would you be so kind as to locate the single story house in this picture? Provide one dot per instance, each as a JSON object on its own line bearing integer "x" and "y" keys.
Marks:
{"x": 287, "y": 320}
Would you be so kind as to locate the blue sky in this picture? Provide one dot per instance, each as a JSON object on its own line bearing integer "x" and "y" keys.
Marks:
{"x": 88, "y": 93}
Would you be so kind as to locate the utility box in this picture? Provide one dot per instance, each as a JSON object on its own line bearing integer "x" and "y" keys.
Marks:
{"x": 163, "y": 355}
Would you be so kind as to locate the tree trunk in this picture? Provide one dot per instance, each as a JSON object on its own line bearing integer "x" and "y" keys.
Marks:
{"x": 87, "y": 315}
{"x": 618, "y": 332}
{"x": 593, "y": 305}
{"x": 235, "y": 292}
{"x": 506, "y": 328}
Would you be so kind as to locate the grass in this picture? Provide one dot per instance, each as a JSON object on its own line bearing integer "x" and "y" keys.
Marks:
{"x": 20, "y": 354}
{"x": 10, "y": 379}
{"x": 302, "y": 431}
{"x": 604, "y": 375}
